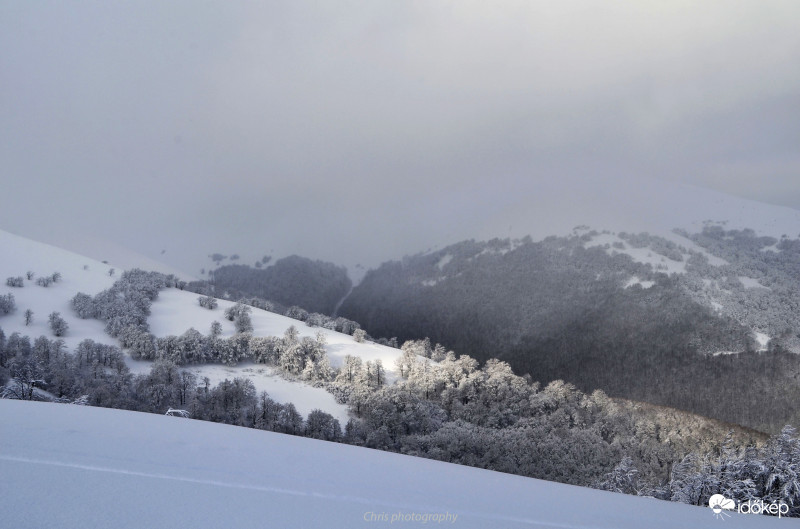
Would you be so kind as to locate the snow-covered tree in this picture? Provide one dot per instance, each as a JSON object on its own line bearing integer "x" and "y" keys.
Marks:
{"x": 378, "y": 373}
{"x": 624, "y": 478}
{"x": 208, "y": 302}
{"x": 297, "y": 313}
{"x": 238, "y": 349}
{"x": 345, "y": 326}
{"x": 289, "y": 420}
{"x": 243, "y": 323}
{"x": 7, "y": 303}
{"x": 141, "y": 344}
{"x": 3, "y": 357}
{"x": 84, "y": 306}
{"x": 291, "y": 335}
{"x": 235, "y": 311}
{"x": 168, "y": 349}
{"x": 57, "y": 324}
{"x": 26, "y": 375}
{"x": 321, "y": 425}
{"x": 439, "y": 353}
{"x": 779, "y": 477}
{"x": 351, "y": 369}
{"x": 405, "y": 362}
{"x": 28, "y": 317}
{"x": 291, "y": 358}
{"x": 359, "y": 335}
{"x": 193, "y": 347}
{"x": 186, "y": 383}
{"x": 264, "y": 349}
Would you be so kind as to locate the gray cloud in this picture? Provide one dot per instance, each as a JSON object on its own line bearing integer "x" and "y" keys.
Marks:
{"x": 360, "y": 132}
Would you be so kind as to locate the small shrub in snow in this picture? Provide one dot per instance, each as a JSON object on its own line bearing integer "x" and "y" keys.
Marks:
{"x": 208, "y": 302}
{"x": 232, "y": 313}
{"x": 15, "y": 282}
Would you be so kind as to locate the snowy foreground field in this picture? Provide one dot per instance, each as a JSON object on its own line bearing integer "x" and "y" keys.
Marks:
{"x": 72, "y": 466}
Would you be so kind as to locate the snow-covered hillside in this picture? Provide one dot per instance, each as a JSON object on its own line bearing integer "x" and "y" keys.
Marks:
{"x": 74, "y": 466}
{"x": 174, "y": 312}
{"x": 651, "y": 205}
{"x": 78, "y": 274}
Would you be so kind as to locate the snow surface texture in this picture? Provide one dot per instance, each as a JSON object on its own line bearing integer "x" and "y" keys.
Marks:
{"x": 74, "y": 466}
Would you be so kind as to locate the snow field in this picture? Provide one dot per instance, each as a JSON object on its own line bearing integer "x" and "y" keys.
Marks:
{"x": 75, "y": 466}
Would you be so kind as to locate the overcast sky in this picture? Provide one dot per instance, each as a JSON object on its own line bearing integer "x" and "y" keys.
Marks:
{"x": 360, "y": 131}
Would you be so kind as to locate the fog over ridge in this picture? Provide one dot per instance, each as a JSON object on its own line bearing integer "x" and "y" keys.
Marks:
{"x": 357, "y": 133}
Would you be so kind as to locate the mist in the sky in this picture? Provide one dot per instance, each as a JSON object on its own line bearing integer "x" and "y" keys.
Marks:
{"x": 359, "y": 131}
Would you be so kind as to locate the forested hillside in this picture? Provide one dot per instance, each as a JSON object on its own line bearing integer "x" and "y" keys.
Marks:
{"x": 638, "y": 316}
{"x": 316, "y": 286}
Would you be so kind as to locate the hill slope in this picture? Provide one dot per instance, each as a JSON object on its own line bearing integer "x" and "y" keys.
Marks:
{"x": 172, "y": 313}
{"x": 640, "y": 316}
{"x": 140, "y": 470}
{"x": 315, "y": 286}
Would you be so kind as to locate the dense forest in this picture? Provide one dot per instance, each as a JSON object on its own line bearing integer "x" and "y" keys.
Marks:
{"x": 316, "y": 286}
{"x": 590, "y": 314}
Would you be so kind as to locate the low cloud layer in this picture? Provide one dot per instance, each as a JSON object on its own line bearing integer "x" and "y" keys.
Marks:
{"x": 359, "y": 132}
